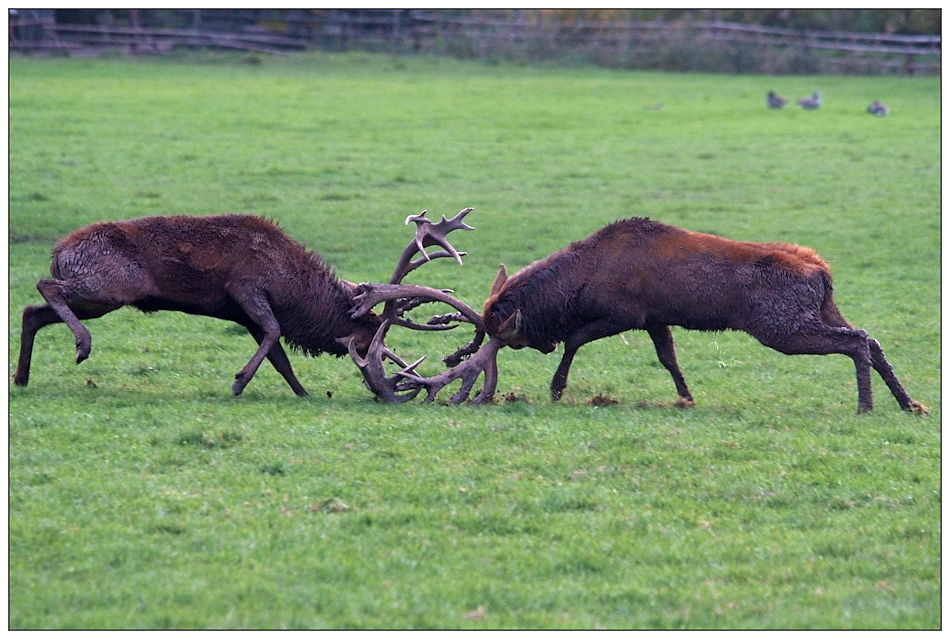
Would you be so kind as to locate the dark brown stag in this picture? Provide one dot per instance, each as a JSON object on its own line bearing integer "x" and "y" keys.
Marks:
{"x": 642, "y": 274}
{"x": 233, "y": 267}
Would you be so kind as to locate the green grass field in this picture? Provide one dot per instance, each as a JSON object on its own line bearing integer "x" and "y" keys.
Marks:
{"x": 143, "y": 495}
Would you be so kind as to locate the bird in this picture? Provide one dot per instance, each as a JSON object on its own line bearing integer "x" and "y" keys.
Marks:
{"x": 775, "y": 101}
{"x": 878, "y": 108}
{"x": 811, "y": 103}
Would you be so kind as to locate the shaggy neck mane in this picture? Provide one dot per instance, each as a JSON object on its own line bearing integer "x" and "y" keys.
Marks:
{"x": 302, "y": 328}
{"x": 546, "y": 291}
{"x": 542, "y": 293}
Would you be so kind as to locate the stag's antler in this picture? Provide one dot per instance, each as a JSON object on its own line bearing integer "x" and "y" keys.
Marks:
{"x": 399, "y": 298}
{"x": 429, "y": 234}
{"x": 385, "y": 387}
{"x": 468, "y": 371}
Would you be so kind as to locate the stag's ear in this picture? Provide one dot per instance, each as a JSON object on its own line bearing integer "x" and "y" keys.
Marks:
{"x": 500, "y": 280}
{"x": 512, "y": 328}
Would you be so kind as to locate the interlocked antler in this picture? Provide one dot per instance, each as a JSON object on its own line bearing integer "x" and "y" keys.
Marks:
{"x": 399, "y": 298}
{"x": 468, "y": 371}
{"x": 386, "y": 388}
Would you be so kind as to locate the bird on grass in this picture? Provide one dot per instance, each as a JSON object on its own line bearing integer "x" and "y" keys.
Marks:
{"x": 811, "y": 103}
{"x": 775, "y": 101}
{"x": 878, "y": 108}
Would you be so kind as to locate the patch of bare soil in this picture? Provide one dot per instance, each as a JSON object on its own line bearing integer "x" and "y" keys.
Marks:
{"x": 601, "y": 399}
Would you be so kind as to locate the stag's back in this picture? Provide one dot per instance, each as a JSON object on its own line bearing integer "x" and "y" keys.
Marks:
{"x": 180, "y": 246}
{"x": 190, "y": 264}
{"x": 645, "y": 272}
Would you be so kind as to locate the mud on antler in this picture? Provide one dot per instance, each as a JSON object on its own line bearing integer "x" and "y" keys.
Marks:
{"x": 466, "y": 363}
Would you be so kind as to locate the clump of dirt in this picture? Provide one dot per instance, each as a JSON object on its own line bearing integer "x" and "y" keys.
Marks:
{"x": 510, "y": 398}
{"x": 601, "y": 399}
{"x": 679, "y": 403}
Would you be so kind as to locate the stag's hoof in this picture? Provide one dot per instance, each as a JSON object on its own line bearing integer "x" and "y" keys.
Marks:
{"x": 914, "y": 407}
{"x": 82, "y": 351}
{"x": 240, "y": 381}
{"x": 682, "y": 402}
{"x": 21, "y": 380}
{"x": 865, "y": 409}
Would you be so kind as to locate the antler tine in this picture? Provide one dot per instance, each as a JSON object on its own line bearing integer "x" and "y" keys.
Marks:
{"x": 414, "y": 264}
{"x": 408, "y": 323}
{"x": 484, "y": 360}
{"x": 435, "y": 323}
{"x": 413, "y": 302}
{"x": 459, "y": 355}
{"x": 429, "y": 234}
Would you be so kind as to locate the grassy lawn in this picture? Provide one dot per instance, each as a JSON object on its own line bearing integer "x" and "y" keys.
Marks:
{"x": 143, "y": 495}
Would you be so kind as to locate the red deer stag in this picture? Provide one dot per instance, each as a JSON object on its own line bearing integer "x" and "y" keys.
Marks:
{"x": 232, "y": 267}
{"x": 642, "y": 274}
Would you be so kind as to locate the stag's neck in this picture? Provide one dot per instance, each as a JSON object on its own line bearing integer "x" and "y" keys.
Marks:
{"x": 317, "y": 313}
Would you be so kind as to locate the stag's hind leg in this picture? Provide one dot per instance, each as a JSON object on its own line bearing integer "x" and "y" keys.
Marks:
{"x": 69, "y": 304}
{"x": 666, "y": 352}
{"x": 831, "y": 316}
{"x": 886, "y": 371}
{"x": 820, "y": 339}
{"x": 36, "y": 317}
{"x": 56, "y": 293}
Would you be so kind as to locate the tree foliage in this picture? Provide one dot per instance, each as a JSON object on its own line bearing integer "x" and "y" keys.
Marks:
{"x": 900, "y": 21}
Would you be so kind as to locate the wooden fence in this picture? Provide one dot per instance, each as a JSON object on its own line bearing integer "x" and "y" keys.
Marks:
{"x": 683, "y": 45}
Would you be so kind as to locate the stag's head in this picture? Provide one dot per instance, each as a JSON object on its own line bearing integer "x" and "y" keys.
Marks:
{"x": 360, "y": 330}
{"x": 503, "y": 318}
{"x": 467, "y": 363}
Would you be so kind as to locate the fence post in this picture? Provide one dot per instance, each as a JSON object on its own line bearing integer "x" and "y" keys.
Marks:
{"x": 909, "y": 64}
{"x": 397, "y": 36}
{"x": 48, "y": 28}
{"x": 345, "y": 31}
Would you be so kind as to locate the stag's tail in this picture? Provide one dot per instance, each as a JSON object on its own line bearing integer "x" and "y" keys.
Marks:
{"x": 830, "y": 315}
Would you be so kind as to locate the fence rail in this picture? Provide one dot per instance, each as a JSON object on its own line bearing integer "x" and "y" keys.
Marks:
{"x": 628, "y": 42}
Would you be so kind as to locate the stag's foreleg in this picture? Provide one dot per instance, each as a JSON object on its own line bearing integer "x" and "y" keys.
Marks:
{"x": 278, "y": 358}
{"x": 255, "y": 304}
{"x": 666, "y": 352}
{"x": 587, "y": 333}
